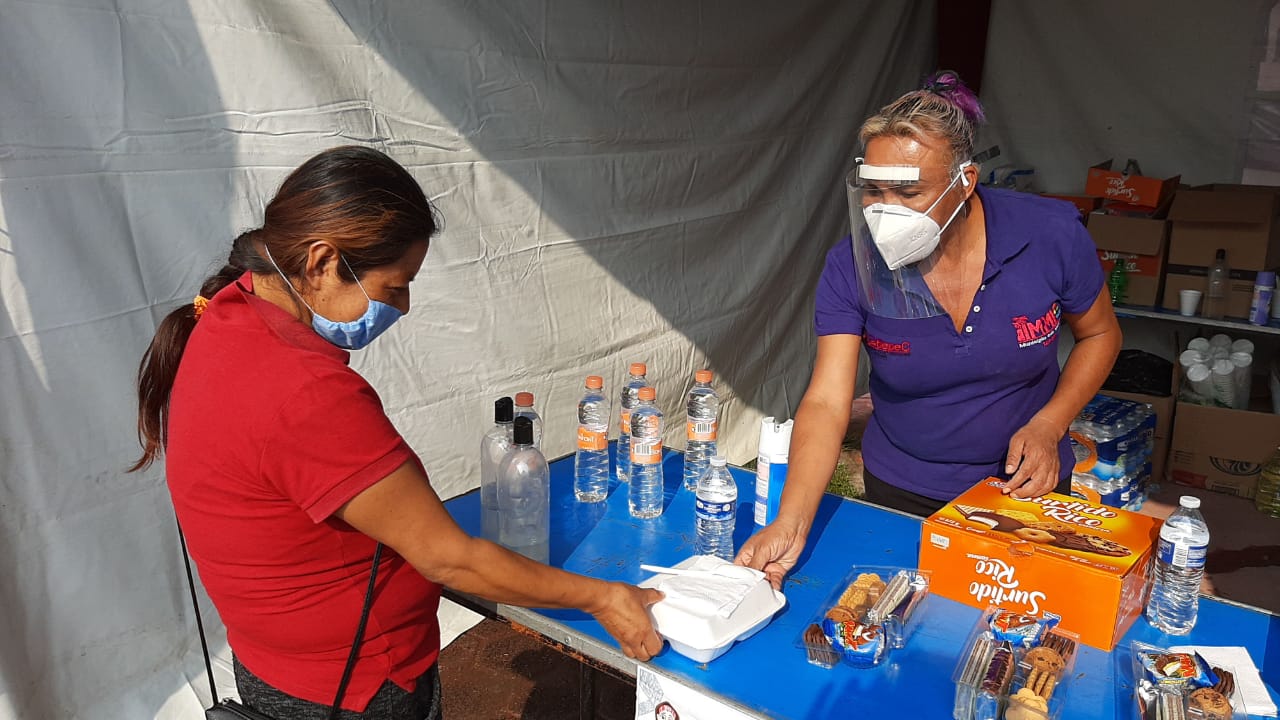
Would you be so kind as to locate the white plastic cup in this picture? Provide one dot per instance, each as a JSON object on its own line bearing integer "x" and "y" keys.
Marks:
{"x": 1221, "y": 340}
{"x": 1188, "y": 301}
{"x": 1242, "y": 345}
{"x": 1200, "y": 389}
{"x": 1199, "y": 343}
{"x": 1192, "y": 357}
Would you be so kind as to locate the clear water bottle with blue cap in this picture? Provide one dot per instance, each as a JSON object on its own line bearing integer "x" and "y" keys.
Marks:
{"x": 1177, "y": 569}
{"x": 716, "y": 509}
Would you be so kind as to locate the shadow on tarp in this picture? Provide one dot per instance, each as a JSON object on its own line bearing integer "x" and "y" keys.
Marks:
{"x": 89, "y": 159}
{"x": 671, "y": 135}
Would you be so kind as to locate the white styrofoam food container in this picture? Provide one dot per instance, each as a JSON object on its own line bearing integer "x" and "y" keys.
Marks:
{"x": 704, "y": 638}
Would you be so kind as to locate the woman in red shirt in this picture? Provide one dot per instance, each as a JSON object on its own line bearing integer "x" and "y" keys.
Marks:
{"x": 286, "y": 473}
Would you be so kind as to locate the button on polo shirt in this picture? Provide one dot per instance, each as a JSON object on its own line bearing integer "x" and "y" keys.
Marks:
{"x": 947, "y": 402}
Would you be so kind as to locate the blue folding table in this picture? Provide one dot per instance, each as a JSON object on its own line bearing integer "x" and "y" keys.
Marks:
{"x": 768, "y": 675}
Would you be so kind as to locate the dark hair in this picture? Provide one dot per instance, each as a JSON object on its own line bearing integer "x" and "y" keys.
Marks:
{"x": 944, "y": 107}
{"x": 363, "y": 202}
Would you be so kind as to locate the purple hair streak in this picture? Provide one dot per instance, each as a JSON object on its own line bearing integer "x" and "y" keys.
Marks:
{"x": 948, "y": 85}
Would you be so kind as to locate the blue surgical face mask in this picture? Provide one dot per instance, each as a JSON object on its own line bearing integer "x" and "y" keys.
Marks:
{"x": 355, "y": 334}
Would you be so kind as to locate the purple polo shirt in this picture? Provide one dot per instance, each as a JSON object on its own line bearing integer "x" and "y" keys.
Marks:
{"x": 947, "y": 402}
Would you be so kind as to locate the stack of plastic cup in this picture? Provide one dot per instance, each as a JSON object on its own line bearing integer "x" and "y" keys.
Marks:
{"x": 1224, "y": 383}
{"x": 1242, "y": 376}
{"x": 1217, "y": 371}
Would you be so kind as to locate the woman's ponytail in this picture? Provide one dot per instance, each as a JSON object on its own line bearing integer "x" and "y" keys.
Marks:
{"x": 159, "y": 366}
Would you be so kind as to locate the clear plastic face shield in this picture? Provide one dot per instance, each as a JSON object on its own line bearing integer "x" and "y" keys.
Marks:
{"x": 894, "y": 223}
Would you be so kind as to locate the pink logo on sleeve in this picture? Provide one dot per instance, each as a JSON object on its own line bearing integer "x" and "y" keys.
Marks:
{"x": 1043, "y": 329}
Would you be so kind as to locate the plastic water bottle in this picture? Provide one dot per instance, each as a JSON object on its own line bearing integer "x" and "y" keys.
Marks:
{"x": 716, "y": 510}
{"x": 703, "y": 428}
{"x": 1215, "y": 296}
{"x": 524, "y": 496}
{"x": 1177, "y": 569}
{"x": 645, "y": 498}
{"x": 524, "y": 408}
{"x": 626, "y": 403}
{"x": 591, "y": 464}
{"x": 493, "y": 447}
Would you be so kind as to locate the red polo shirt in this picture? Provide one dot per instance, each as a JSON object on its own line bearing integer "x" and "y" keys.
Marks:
{"x": 270, "y": 432}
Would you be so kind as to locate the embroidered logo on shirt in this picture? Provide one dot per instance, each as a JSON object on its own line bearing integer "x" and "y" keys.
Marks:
{"x": 875, "y": 343}
{"x": 1042, "y": 330}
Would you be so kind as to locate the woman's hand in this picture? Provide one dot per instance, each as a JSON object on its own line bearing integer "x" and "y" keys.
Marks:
{"x": 1033, "y": 459}
{"x": 624, "y": 613}
{"x": 773, "y": 551}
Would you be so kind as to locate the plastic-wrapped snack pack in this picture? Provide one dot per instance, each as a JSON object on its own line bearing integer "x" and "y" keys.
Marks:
{"x": 867, "y": 616}
{"x": 1013, "y": 667}
{"x": 1182, "y": 686}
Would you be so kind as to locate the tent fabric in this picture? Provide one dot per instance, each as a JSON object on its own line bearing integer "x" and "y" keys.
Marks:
{"x": 1070, "y": 84}
{"x": 620, "y": 181}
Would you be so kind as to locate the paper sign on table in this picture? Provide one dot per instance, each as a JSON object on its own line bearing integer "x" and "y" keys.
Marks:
{"x": 659, "y": 697}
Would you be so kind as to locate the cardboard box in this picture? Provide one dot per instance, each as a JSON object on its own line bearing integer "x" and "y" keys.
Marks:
{"x": 1129, "y": 192}
{"x": 1142, "y": 245}
{"x": 1164, "y": 408}
{"x": 1221, "y": 449}
{"x": 1035, "y": 556}
{"x": 1085, "y": 204}
{"x": 1241, "y": 219}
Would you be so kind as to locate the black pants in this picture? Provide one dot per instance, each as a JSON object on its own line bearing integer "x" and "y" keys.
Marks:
{"x": 390, "y": 703}
{"x": 891, "y": 496}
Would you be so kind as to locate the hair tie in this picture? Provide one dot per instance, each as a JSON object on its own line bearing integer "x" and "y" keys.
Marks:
{"x": 200, "y": 304}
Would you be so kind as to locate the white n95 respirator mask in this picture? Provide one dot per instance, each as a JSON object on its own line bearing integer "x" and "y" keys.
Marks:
{"x": 905, "y": 236}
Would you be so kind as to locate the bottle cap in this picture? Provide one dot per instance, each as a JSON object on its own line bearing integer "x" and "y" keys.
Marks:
{"x": 648, "y": 393}
{"x": 594, "y": 382}
{"x": 524, "y": 399}
{"x": 502, "y": 410}
{"x": 702, "y": 376}
{"x": 1266, "y": 279}
{"x": 1221, "y": 254}
{"x": 522, "y": 433}
{"x": 719, "y": 461}
{"x": 1191, "y": 502}
{"x": 638, "y": 369}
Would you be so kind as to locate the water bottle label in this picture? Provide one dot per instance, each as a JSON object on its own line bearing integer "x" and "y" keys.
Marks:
{"x": 591, "y": 438}
{"x": 624, "y": 423}
{"x": 703, "y": 430}
{"x": 713, "y": 510}
{"x": 1181, "y": 555}
{"x": 646, "y": 452}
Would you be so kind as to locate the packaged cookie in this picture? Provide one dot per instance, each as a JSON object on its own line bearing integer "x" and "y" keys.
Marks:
{"x": 1025, "y": 631}
{"x": 869, "y": 614}
{"x": 1014, "y": 667}
{"x": 1172, "y": 683}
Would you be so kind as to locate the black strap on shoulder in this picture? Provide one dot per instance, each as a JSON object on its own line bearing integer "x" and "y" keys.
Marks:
{"x": 355, "y": 644}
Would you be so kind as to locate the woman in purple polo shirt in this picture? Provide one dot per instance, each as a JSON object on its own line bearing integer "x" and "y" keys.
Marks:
{"x": 958, "y": 294}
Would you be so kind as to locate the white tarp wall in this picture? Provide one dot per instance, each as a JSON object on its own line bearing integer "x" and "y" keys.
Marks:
{"x": 1068, "y": 84}
{"x": 621, "y": 181}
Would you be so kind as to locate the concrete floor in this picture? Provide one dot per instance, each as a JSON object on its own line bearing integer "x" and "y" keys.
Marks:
{"x": 493, "y": 672}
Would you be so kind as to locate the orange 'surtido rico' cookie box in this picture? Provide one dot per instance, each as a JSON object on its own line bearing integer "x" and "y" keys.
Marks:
{"x": 1084, "y": 562}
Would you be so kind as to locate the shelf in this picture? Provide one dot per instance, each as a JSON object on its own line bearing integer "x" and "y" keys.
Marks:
{"x": 1237, "y": 324}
